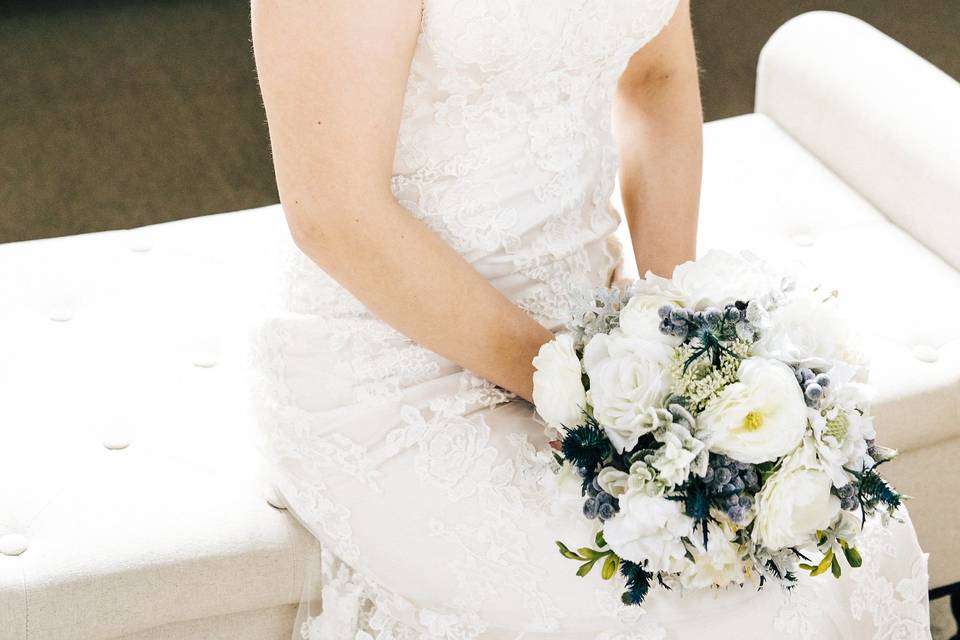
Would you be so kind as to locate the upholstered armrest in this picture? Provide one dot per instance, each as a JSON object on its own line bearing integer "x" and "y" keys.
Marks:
{"x": 881, "y": 117}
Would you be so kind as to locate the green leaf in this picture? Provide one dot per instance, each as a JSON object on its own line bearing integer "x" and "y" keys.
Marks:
{"x": 600, "y": 541}
{"x": 821, "y": 537}
{"x": 589, "y": 554}
{"x": 610, "y": 566}
{"x": 835, "y": 567}
{"x": 853, "y": 557}
{"x": 566, "y": 553}
{"x": 585, "y": 568}
{"x": 824, "y": 564}
{"x": 806, "y": 567}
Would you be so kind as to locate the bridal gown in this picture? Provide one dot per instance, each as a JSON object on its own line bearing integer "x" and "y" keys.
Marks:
{"x": 429, "y": 489}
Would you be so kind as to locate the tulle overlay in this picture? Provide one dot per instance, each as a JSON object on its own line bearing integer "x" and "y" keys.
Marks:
{"x": 430, "y": 490}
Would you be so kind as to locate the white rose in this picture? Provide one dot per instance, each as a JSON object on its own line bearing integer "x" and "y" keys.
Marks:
{"x": 795, "y": 502}
{"x": 628, "y": 380}
{"x": 639, "y": 318}
{"x": 761, "y": 417}
{"x": 720, "y": 278}
{"x": 717, "y": 565}
{"x": 649, "y": 528}
{"x": 558, "y": 391}
{"x": 810, "y": 330}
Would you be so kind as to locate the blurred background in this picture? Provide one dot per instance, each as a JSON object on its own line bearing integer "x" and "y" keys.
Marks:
{"x": 119, "y": 113}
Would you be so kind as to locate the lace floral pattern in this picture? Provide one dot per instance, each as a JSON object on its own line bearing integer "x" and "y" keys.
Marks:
{"x": 425, "y": 485}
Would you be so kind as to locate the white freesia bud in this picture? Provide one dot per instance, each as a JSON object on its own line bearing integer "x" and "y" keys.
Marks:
{"x": 795, "y": 502}
{"x": 760, "y": 418}
{"x": 558, "y": 391}
{"x": 613, "y": 481}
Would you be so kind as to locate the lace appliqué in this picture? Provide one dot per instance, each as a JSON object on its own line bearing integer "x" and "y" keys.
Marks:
{"x": 899, "y": 610}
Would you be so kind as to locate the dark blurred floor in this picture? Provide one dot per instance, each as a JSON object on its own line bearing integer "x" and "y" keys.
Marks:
{"x": 117, "y": 114}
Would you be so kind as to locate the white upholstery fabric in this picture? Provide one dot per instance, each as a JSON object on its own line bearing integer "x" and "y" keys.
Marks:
{"x": 261, "y": 624}
{"x": 880, "y": 116}
{"x": 175, "y": 526}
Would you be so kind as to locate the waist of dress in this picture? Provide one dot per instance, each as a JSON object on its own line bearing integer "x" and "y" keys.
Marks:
{"x": 545, "y": 283}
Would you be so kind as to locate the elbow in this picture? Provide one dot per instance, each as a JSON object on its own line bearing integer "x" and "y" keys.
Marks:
{"x": 332, "y": 228}
{"x": 311, "y": 226}
{"x": 659, "y": 81}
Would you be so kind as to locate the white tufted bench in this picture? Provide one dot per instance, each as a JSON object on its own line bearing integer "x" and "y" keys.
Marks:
{"x": 131, "y": 495}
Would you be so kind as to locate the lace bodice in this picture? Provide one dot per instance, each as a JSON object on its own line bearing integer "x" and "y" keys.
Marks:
{"x": 505, "y": 145}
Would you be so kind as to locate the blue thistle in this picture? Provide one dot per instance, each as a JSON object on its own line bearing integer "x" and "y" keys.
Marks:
{"x": 638, "y": 582}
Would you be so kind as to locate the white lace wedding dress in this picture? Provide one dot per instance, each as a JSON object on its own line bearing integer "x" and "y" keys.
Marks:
{"x": 427, "y": 487}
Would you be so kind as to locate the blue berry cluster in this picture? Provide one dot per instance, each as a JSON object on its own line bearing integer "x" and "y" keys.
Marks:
{"x": 848, "y": 497}
{"x": 679, "y": 322}
{"x": 732, "y": 484}
{"x": 599, "y": 503}
{"x": 813, "y": 385}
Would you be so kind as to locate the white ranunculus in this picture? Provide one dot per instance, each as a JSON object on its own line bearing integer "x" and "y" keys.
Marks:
{"x": 810, "y": 330}
{"x": 759, "y": 418}
{"x": 720, "y": 278}
{"x": 558, "y": 391}
{"x": 649, "y": 528}
{"x": 717, "y": 565}
{"x": 795, "y": 502}
{"x": 628, "y": 380}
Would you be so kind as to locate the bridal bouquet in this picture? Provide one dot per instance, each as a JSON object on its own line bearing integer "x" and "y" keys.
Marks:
{"x": 719, "y": 421}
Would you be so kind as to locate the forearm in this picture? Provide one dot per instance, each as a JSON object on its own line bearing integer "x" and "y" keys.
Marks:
{"x": 659, "y": 127}
{"x": 413, "y": 280}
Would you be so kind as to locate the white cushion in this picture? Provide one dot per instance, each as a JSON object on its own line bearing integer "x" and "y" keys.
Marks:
{"x": 174, "y": 527}
{"x": 880, "y": 116}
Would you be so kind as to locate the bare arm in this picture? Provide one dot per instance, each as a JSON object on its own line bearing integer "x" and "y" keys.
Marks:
{"x": 333, "y": 75}
{"x": 658, "y": 121}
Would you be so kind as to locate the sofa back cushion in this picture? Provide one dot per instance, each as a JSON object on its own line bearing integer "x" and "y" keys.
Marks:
{"x": 877, "y": 114}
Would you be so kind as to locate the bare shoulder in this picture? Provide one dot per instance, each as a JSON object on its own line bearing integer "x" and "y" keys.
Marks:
{"x": 364, "y": 24}
{"x": 332, "y": 76}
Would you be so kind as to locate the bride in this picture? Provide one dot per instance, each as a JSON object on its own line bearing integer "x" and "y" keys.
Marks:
{"x": 445, "y": 169}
